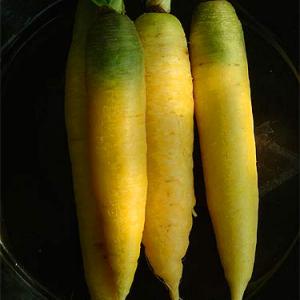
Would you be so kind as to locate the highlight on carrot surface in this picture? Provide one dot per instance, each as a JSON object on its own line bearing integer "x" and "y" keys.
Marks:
{"x": 225, "y": 125}
{"x": 169, "y": 125}
{"x": 105, "y": 120}
{"x": 117, "y": 137}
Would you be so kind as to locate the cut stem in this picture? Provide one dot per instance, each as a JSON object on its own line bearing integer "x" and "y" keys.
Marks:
{"x": 159, "y": 5}
{"x": 117, "y": 5}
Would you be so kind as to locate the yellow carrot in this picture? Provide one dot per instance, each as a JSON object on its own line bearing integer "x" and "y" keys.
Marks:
{"x": 225, "y": 124}
{"x": 169, "y": 124}
{"x": 97, "y": 270}
{"x": 117, "y": 137}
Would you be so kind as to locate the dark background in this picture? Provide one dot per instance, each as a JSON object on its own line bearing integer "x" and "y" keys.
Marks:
{"x": 282, "y": 19}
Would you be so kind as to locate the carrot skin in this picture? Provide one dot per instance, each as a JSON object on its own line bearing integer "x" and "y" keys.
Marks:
{"x": 97, "y": 270}
{"x": 226, "y": 133}
{"x": 117, "y": 139}
{"x": 169, "y": 115}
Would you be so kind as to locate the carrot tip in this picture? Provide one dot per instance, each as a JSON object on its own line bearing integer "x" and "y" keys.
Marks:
{"x": 237, "y": 292}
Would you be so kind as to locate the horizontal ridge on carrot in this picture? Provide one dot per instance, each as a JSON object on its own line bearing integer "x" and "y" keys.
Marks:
{"x": 117, "y": 136}
{"x": 169, "y": 124}
{"x": 225, "y": 124}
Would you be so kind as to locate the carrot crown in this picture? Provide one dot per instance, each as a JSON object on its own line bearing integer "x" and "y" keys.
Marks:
{"x": 117, "y": 5}
{"x": 159, "y": 5}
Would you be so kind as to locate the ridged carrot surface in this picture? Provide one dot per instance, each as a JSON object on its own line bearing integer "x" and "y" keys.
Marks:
{"x": 105, "y": 120}
{"x": 225, "y": 124}
{"x": 169, "y": 124}
{"x": 97, "y": 270}
{"x": 117, "y": 139}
